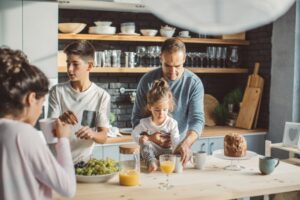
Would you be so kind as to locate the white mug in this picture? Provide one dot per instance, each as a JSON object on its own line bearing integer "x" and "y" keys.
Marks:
{"x": 47, "y": 127}
{"x": 199, "y": 159}
{"x": 178, "y": 164}
{"x": 184, "y": 33}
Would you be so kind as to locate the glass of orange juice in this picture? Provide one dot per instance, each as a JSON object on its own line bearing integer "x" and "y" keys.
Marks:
{"x": 167, "y": 166}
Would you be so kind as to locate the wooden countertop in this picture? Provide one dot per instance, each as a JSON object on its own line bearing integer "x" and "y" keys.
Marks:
{"x": 211, "y": 183}
{"x": 215, "y": 131}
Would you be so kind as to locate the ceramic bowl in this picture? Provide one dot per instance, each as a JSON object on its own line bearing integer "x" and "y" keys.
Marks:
{"x": 71, "y": 28}
{"x": 110, "y": 30}
{"x": 148, "y": 32}
{"x": 95, "y": 179}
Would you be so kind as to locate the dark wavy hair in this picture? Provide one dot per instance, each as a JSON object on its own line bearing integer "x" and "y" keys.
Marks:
{"x": 18, "y": 78}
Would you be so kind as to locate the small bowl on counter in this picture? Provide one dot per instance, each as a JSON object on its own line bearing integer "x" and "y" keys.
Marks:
{"x": 149, "y": 32}
{"x": 71, "y": 28}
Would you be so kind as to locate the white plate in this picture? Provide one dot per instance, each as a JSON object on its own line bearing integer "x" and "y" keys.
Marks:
{"x": 128, "y": 33}
{"x": 95, "y": 179}
{"x": 126, "y": 131}
{"x": 220, "y": 154}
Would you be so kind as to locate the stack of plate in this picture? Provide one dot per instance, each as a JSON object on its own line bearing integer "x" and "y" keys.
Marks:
{"x": 102, "y": 27}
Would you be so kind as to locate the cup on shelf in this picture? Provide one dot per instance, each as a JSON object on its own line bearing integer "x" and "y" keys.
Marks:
{"x": 128, "y": 28}
{"x": 184, "y": 34}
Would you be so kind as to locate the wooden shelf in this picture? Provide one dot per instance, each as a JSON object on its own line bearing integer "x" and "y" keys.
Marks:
{"x": 62, "y": 69}
{"x": 148, "y": 39}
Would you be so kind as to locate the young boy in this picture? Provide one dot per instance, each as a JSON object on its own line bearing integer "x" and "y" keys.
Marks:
{"x": 80, "y": 102}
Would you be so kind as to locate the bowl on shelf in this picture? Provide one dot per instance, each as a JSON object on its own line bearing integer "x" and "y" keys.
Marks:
{"x": 109, "y": 30}
{"x": 103, "y": 23}
{"x": 71, "y": 28}
{"x": 148, "y": 32}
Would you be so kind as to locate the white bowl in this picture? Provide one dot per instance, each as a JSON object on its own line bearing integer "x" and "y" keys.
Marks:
{"x": 167, "y": 32}
{"x": 103, "y": 23}
{"x": 95, "y": 179}
{"x": 72, "y": 28}
{"x": 109, "y": 30}
{"x": 148, "y": 32}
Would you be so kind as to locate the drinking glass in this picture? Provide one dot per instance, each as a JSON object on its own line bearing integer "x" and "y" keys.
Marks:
{"x": 211, "y": 52}
{"x": 224, "y": 56}
{"x": 167, "y": 166}
{"x": 157, "y": 51}
{"x": 150, "y": 53}
{"x": 234, "y": 57}
{"x": 140, "y": 52}
{"x": 202, "y": 55}
{"x": 218, "y": 56}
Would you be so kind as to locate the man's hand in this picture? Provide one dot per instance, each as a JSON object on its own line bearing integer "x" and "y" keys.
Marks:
{"x": 163, "y": 140}
{"x": 184, "y": 147}
{"x": 86, "y": 133}
{"x": 69, "y": 117}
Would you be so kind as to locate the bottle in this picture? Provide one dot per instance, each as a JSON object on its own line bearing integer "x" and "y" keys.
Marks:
{"x": 129, "y": 165}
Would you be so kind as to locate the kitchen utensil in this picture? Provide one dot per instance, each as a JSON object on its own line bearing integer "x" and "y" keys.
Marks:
{"x": 256, "y": 81}
{"x": 248, "y": 108}
{"x": 210, "y": 103}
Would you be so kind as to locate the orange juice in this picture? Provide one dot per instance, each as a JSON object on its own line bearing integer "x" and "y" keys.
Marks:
{"x": 167, "y": 167}
{"x": 129, "y": 178}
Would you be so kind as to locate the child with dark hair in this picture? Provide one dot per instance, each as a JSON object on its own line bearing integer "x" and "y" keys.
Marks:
{"x": 159, "y": 102}
{"x": 28, "y": 169}
{"x": 80, "y": 102}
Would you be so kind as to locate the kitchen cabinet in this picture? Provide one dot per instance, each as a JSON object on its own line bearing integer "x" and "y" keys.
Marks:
{"x": 32, "y": 27}
{"x": 209, "y": 144}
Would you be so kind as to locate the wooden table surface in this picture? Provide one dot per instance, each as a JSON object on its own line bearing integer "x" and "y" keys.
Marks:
{"x": 212, "y": 183}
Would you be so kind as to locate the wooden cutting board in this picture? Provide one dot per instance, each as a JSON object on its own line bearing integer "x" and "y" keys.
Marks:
{"x": 256, "y": 81}
{"x": 248, "y": 108}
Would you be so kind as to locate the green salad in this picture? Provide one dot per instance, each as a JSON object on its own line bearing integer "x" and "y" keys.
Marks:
{"x": 96, "y": 167}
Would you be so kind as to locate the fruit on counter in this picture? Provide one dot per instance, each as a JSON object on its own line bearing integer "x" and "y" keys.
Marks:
{"x": 96, "y": 167}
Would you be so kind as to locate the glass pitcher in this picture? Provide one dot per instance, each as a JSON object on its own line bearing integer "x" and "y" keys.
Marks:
{"x": 129, "y": 165}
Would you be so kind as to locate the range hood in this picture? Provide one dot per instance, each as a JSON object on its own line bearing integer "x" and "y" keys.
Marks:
{"x": 108, "y": 5}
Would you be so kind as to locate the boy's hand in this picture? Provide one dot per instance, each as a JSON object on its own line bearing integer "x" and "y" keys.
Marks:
{"x": 86, "y": 133}
{"x": 69, "y": 117}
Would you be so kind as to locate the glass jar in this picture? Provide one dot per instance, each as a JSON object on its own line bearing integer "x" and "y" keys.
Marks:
{"x": 129, "y": 165}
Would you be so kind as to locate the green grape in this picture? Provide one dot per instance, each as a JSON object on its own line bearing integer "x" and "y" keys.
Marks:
{"x": 98, "y": 167}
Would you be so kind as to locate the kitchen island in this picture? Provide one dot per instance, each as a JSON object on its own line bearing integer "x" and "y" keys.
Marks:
{"x": 212, "y": 183}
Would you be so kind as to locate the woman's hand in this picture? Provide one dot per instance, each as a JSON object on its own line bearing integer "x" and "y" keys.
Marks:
{"x": 61, "y": 129}
{"x": 69, "y": 117}
{"x": 86, "y": 133}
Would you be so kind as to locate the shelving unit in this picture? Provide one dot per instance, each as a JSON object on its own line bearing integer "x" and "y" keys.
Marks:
{"x": 62, "y": 69}
{"x": 131, "y": 38}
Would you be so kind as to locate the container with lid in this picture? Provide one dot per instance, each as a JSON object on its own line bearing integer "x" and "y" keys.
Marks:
{"x": 129, "y": 165}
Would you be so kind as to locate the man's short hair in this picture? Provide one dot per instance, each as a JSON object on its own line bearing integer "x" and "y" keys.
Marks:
{"x": 82, "y": 48}
{"x": 173, "y": 45}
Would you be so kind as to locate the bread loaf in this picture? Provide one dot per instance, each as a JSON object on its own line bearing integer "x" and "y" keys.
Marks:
{"x": 235, "y": 145}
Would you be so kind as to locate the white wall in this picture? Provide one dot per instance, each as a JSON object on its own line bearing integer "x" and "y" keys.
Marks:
{"x": 282, "y": 75}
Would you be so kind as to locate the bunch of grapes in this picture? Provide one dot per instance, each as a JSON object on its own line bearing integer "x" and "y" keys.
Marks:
{"x": 96, "y": 167}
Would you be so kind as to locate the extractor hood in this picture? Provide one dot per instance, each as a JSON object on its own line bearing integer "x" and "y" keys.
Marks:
{"x": 109, "y": 5}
